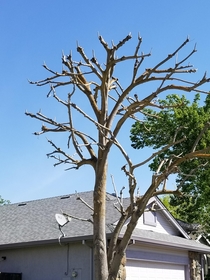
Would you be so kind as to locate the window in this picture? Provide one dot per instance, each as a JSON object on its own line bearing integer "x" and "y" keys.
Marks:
{"x": 150, "y": 216}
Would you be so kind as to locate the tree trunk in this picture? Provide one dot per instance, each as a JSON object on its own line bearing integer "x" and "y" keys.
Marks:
{"x": 122, "y": 270}
{"x": 117, "y": 270}
{"x": 119, "y": 273}
{"x": 99, "y": 228}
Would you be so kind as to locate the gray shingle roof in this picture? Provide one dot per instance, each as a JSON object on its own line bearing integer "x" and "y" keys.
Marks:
{"x": 35, "y": 220}
{"x": 22, "y": 224}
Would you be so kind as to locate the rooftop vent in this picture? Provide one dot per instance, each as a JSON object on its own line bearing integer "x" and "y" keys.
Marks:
{"x": 65, "y": 196}
{"x": 22, "y": 204}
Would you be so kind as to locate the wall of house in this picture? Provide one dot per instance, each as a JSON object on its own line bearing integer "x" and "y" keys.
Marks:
{"x": 52, "y": 262}
{"x": 157, "y": 221}
{"x": 162, "y": 225}
{"x": 153, "y": 258}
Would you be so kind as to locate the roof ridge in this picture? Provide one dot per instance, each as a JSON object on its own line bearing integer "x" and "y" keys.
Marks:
{"x": 47, "y": 198}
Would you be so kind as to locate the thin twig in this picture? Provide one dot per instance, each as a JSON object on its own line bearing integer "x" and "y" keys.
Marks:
{"x": 77, "y": 218}
{"x": 118, "y": 200}
{"x": 84, "y": 202}
{"x": 159, "y": 152}
{"x": 206, "y": 126}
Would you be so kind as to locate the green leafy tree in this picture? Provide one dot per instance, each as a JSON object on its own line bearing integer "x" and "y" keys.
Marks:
{"x": 187, "y": 126}
{"x": 3, "y": 201}
{"x": 166, "y": 200}
{"x": 95, "y": 94}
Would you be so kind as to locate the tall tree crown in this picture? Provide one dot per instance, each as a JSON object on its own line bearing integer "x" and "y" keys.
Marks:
{"x": 108, "y": 105}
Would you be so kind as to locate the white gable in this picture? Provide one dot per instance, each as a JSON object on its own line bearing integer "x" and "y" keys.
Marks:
{"x": 162, "y": 225}
{"x": 160, "y": 220}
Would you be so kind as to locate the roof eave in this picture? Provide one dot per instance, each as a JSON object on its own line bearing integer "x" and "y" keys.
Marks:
{"x": 61, "y": 241}
{"x": 187, "y": 247}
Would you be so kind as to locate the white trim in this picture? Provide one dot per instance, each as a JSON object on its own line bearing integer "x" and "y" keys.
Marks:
{"x": 171, "y": 218}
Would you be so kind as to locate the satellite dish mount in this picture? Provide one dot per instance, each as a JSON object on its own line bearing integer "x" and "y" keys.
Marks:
{"x": 62, "y": 221}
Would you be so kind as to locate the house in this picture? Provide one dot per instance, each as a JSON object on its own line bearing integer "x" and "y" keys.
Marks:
{"x": 32, "y": 243}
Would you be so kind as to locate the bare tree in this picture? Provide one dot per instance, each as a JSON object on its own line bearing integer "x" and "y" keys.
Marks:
{"x": 110, "y": 106}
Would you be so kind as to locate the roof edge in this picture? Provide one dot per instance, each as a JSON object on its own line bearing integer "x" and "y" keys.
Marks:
{"x": 172, "y": 219}
{"x": 62, "y": 241}
{"x": 201, "y": 248}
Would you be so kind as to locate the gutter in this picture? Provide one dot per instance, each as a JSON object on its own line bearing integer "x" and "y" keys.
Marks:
{"x": 63, "y": 241}
{"x": 188, "y": 246}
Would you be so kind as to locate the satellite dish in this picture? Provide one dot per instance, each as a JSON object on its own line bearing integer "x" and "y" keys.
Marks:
{"x": 61, "y": 219}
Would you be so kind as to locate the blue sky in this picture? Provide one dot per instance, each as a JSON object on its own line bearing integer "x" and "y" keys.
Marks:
{"x": 32, "y": 32}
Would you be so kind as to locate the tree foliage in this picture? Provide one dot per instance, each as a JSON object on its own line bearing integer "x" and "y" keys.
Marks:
{"x": 95, "y": 92}
{"x": 187, "y": 124}
{"x": 166, "y": 200}
{"x": 3, "y": 201}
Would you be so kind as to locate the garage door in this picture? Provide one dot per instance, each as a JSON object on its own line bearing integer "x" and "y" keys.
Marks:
{"x": 152, "y": 270}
